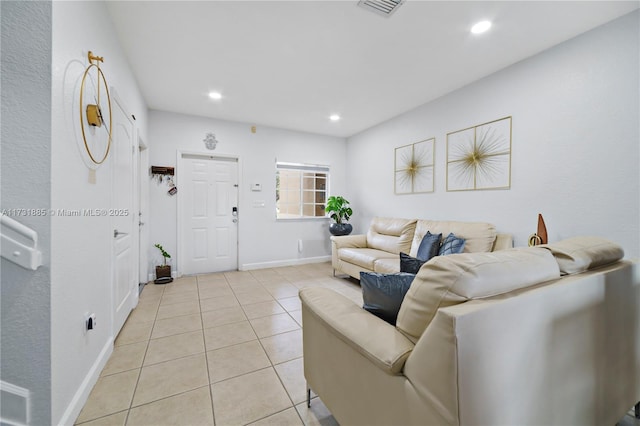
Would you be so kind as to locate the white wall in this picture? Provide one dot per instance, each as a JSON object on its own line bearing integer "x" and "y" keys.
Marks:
{"x": 25, "y": 357}
{"x": 81, "y": 246}
{"x": 575, "y": 146}
{"x": 262, "y": 240}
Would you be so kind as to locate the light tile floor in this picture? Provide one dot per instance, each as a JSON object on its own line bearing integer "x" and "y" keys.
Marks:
{"x": 223, "y": 349}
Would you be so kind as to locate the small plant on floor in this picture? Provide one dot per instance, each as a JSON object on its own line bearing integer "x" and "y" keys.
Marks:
{"x": 163, "y": 272}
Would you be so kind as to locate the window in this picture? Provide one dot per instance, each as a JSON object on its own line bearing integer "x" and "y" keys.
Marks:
{"x": 301, "y": 190}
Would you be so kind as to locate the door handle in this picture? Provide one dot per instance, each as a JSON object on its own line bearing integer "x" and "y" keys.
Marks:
{"x": 116, "y": 233}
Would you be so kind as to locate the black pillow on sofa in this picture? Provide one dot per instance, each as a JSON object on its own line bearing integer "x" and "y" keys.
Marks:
{"x": 383, "y": 294}
{"x": 410, "y": 264}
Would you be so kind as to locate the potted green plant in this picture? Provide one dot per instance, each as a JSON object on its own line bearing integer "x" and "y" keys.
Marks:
{"x": 163, "y": 272}
{"x": 338, "y": 209}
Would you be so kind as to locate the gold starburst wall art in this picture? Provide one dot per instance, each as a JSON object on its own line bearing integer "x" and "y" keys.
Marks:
{"x": 414, "y": 167}
{"x": 479, "y": 157}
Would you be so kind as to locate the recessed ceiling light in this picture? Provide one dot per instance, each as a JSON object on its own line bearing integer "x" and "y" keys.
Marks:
{"x": 215, "y": 95}
{"x": 334, "y": 117}
{"x": 481, "y": 27}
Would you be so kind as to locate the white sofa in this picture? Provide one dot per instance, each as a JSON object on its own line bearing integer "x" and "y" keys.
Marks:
{"x": 378, "y": 250}
{"x": 546, "y": 335}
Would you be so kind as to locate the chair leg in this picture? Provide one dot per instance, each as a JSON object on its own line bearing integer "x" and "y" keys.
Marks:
{"x": 334, "y": 272}
{"x": 637, "y": 410}
{"x": 309, "y": 399}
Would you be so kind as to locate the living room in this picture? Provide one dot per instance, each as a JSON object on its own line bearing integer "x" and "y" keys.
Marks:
{"x": 575, "y": 150}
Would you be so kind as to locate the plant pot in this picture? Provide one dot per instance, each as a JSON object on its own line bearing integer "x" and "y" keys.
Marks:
{"x": 338, "y": 229}
{"x": 163, "y": 274}
{"x": 163, "y": 271}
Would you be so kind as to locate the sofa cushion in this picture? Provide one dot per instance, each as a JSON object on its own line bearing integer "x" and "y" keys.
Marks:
{"x": 451, "y": 245}
{"x": 479, "y": 236}
{"x": 382, "y": 294}
{"x": 429, "y": 246}
{"x": 579, "y": 254}
{"x": 391, "y": 235}
{"x": 450, "y": 280}
{"x": 364, "y": 257}
{"x": 387, "y": 265}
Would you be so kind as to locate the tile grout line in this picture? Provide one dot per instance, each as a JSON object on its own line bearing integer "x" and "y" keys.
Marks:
{"x": 293, "y": 405}
{"x": 206, "y": 356}
{"x": 135, "y": 388}
{"x": 256, "y": 284}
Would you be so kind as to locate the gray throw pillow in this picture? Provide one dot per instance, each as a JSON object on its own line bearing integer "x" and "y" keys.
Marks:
{"x": 383, "y": 293}
{"x": 451, "y": 245}
{"x": 410, "y": 264}
{"x": 429, "y": 246}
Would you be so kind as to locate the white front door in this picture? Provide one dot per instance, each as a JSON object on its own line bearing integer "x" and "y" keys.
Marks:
{"x": 124, "y": 276}
{"x": 209, "y": 201}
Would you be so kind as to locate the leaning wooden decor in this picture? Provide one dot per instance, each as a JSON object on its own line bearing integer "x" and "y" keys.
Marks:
{"x": 540, "y": 237}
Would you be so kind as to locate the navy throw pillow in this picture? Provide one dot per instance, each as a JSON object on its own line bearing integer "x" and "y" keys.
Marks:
{"x": 429, "y": 246}
{"x": 410, "y": 264}
{"x": 451, "y": 245}
{"x": 383, "y": 294}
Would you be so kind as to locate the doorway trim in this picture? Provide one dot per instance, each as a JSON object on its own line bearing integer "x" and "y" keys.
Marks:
{"x": 142, "y": 206}
{"x": 180, "y": 154}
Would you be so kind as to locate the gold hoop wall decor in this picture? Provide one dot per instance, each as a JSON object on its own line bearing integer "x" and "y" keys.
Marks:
{"x": 91, "y": 114}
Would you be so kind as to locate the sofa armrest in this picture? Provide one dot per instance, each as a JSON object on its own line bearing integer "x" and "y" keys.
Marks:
{"x": 367, "y": 334}
{"x": 349, "y": 241}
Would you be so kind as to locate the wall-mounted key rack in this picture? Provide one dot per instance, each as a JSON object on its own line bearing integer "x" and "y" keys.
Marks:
{"x": 162, "y": 170}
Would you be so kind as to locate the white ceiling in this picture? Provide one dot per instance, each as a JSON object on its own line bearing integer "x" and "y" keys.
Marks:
{"x": 291, "y": 64}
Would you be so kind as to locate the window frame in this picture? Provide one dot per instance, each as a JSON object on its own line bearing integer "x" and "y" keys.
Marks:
{"x": 303, "y": 168}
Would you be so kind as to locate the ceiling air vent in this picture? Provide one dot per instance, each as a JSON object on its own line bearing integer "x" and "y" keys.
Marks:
{"x": 381, "y": 7}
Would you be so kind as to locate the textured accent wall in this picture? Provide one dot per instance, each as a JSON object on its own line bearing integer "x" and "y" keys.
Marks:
{"x": 25, "y": 307}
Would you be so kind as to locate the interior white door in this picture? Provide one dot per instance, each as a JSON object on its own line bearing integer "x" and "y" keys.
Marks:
{"x": 124, "y": 276}
{"x": 209, "y": 200}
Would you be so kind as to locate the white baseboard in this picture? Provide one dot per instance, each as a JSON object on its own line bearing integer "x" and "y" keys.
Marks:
{"x": 80, "y": 398}
{"x": 263, "y": 265}
{"x": 279, "y": 263}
